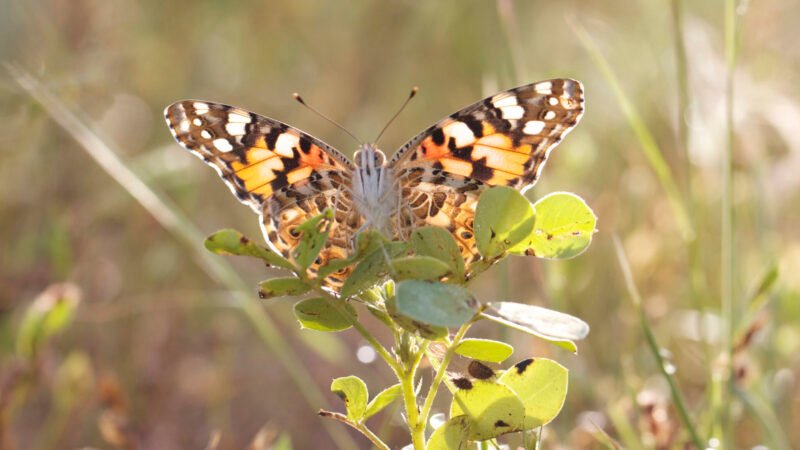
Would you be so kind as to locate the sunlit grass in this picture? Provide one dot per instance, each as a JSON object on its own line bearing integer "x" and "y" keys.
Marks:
{"x": 181, "y": 228}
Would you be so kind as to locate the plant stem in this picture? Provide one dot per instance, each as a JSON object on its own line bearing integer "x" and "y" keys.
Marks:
{"x": 442, "y": 369}
{"x": 406, "y": 374}
{"x": 416, "y": 427}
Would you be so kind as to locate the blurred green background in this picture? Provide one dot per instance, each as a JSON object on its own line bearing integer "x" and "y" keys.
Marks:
{"x": 160, "y": 354}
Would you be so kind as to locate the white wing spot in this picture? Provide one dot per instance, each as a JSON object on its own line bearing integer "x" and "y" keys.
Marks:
{"x": 184, "y": 126}
{"x": 533, "y": 127}
{"x": 198, "y": 122}
{"x": 285, "y": 143}
{"x": 238, "y": 118}
{"x": 511, "y": 100}
{"x": 550, "y": 115}
{"x": 553, "y": 101}
{"x": 205, "y": 134}
{"x": 235, "y": 128}
{"x": 460, "y": 132}
{"x": 223, "y": 145}
{"x": 200, "y": 107}
{"x": 544, "y": 88}
{"x": 513, "y": 112}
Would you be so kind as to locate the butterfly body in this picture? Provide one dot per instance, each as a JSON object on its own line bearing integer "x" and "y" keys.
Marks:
{"x": 288, "y": 176}
{"x": 374, "y": 190}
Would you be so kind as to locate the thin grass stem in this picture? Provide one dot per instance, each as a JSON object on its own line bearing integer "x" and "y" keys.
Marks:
{"x": 647, "y": 141}
{"x": 666, "y": 368}
{"x": 726, "y": 234}
{"x": 769, "y": 422}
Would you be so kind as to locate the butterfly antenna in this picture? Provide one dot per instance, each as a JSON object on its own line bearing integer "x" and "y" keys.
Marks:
{"x": 303, "y": 102}
{"x": 410, "y": 96}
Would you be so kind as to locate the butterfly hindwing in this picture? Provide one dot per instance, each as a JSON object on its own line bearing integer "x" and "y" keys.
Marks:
{"x": 292, "y": 205}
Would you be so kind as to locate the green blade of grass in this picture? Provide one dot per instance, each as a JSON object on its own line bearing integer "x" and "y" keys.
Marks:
{"x": 182, "y": 229}
{"x": 647, "y": 141}
{"x": 727, "y": 306}
{"x": 655, "y": 349}
{"x": 762, "y": 411}
{"x": 682, "y": 81}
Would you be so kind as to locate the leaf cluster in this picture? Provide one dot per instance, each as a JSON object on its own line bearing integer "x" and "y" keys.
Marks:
{"x": 417, "y": 288}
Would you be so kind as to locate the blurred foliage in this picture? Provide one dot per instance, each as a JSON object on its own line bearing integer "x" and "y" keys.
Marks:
{"x": 155, "y": 358}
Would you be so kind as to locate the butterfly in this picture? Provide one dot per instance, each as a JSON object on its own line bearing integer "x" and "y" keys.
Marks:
{"x": 288, "y": 176}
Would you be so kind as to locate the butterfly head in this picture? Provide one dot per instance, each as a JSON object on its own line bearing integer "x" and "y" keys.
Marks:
{"x": 369, "y": 158}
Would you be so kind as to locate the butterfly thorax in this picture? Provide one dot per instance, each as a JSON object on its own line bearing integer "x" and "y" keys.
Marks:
{"x": 373, "y": 192}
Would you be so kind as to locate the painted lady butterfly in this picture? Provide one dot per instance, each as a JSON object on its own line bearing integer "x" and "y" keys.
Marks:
{"x": 288, "y": 176}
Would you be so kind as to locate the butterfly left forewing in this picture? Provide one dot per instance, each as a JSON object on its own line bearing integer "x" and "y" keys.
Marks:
{"x": 503, "y": 140}
{"x": 255, "y": 155}
{"x": 284, "y": 174}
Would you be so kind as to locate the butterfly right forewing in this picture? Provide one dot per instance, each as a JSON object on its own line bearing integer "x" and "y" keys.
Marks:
{"x": 502, "y": 140}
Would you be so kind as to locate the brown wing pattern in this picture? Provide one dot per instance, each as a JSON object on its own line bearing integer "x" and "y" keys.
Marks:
{"x": 502, "y": 140}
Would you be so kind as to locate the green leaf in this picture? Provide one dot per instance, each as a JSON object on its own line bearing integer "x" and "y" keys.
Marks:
{"x": 373, "y": 268}
{"x": 435, "y": 303}
{"x": 563, "y": 227}
{"x": 282, "y": 287}
{"x": 427, "y": 331}
{"x": 452, "y": 435}
{"x": 382, "y": 400}
{"x": 493, "y": 409}
{"x": 313, "y": 235}
{"x": 484, "y": 350}
{"x": 553, "y": 326}
{"x": 419, "y": 268}
{"x": 541, "y": 385}
{"x": 503, "y": 219}
{"x": 354, "y": 393}
{"x": 439, "y": 243}
{"x": 366, "y": 243}
{"x": 49, "y": 314}
{"x": 232, "y": 242}
{"x": 318, "y": 314}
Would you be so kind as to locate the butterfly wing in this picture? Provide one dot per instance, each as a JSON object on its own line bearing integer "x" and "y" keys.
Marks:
{"x": 284, "y": 174}
{"x": 502, "y": 140}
